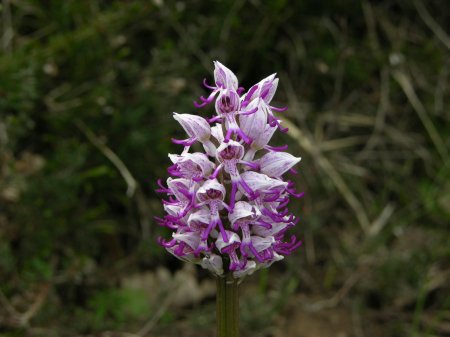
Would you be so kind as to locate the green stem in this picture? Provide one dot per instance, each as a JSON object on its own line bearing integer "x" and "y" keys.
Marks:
{"x": 227, "y": 307}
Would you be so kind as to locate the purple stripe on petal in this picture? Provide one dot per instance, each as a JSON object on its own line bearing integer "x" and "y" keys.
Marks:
{"x": 201, "y": 105}
{"x": 222, "y": 230}
{"x": 254, "y": 166}
{"x": 264, "y": 224}
{"x": 249, "y": 95}
{"x": 214, "y": 119}
{"x": 233, "y": 194}
{"x": 167, "y": 244}
{"x": 255, "y": 253}
{"x": 279, "y": 109}
{"x": 243, "y": 136}
{"x": 185, "y": 142}
{"x": 284, "y": 204}
{"x": 276, "y": 148}
{"x": 250, "y": 112}
{"x": 207, "y": 85}
{"x": 163, "y": 189}
{"x": 250, "y": 193}
{"x": 216, "y": 172}
{"x": 228, "y": 135}
{"x": 272, "y": 198}
{"x": 179, "y": 250}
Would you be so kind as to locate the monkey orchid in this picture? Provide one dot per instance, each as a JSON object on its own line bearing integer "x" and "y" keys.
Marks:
{"x": 227, "y": 207}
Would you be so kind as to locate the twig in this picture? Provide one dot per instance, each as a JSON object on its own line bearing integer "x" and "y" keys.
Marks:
{"x": 405, "y": 83}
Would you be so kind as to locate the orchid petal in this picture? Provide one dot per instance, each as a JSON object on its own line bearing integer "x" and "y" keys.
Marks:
{"x": 275, "y": 164}
{"x": 213, "y": 263}
{"x": 224, "y": 77}
{"x": 233, "y": 240}
{"x": 195, "y": 126}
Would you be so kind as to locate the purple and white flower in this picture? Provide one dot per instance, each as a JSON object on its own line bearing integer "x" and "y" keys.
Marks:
{"x": 228, "y": 206}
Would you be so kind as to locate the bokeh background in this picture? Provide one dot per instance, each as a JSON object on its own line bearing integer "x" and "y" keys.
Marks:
{"x": 87, "y": 90}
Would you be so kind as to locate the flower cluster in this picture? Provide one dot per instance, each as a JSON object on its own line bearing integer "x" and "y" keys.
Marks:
{"x": 227, "y": 206}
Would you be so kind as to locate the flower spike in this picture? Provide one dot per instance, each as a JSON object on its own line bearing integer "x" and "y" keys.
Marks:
{"x": 228, "y": 204}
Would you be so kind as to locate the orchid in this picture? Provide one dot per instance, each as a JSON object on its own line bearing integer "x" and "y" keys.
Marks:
{"x": 227, "y": 201}
{"x": 227, "y": 207}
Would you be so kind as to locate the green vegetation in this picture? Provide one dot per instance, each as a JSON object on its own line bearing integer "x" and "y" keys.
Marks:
{"x": 87, "y": 90}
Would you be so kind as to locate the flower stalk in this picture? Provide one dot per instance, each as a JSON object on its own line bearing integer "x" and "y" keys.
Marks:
{"x": 227, "y": 306}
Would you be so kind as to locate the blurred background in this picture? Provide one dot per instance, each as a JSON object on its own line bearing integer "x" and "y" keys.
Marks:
{"x": 87, "y": 91}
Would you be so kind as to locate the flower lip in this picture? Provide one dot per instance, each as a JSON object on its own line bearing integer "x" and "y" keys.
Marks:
{"x": 211, "y": 190}
{"x": 214, "y": 194}
{"x": 191, "y": 165}
{"x": 229, "y": 151}
{"x": 190, "y": 238}
{"x": 179, "y": 188}
{"x": 242, "y": 211}
{"x": 213, "y": 263}
{"x": 249, "y": 268}
{"x": 228, "y": 102}
{"x": 199, "y": 219}
{"x": 226, "y": 246}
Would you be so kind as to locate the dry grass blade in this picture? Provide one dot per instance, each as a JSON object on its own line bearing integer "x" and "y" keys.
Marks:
{"x": 156, "y": 317}
{"x": 307, "y": 144}
{"x": 371, "y": 26}
{"x": 111, "y": 334}
{"x": 380, "y": 119}
{"x": 8, "y": 31}
{"x": 7, "y": 305}
{"x": 429, "y": 21}
{"x": 37, "y": 304}
{"x": 338, "y": 296}
{"x": 133, "y": 188}
{"x": 108, "y": 153}
{"x": 18, "y": 319}
{"x": 405, "y": 83}
{"x": 382, "y": 220}
{"x": 342, "y": 143}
